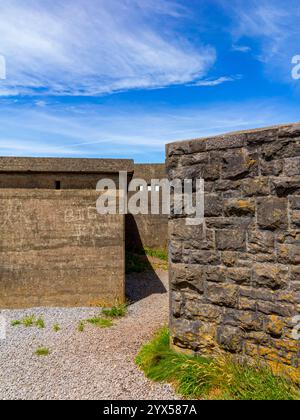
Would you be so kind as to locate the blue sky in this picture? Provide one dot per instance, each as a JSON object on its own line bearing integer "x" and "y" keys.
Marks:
{"x": 121, "y": 78}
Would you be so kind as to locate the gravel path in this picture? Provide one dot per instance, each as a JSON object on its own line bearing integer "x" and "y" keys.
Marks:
{"x": 93, "y": 364}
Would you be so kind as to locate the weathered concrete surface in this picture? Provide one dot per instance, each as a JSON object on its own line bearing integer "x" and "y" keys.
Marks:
{"x": 63, "y": 165}
{"x": 56, "y": 250}
{"x": 236, "y": 287}
{"x": 147, "y": 230}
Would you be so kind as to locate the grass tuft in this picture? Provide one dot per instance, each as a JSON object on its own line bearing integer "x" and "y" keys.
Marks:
{"x": 80, "y": 326}
{"x": 56, "y": 328}
{"x": 28, "y": 321}
{"x": 42, "y": 351}
{"x": 16, "y": 323}
{"x": 40, "y": 323}
{"x": 157, "y": 253}
{"x": 100, "y": 322}
{"x": 213, "y": 379}
{"x": 136, "y": 263}
{"x": 117, "y": 311}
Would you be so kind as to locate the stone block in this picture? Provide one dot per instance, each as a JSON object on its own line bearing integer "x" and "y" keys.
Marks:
{"x": 230, "y": 339}
{"x": 239, "y": 207}
{"x": 272, "y": 213}
{"x": 231, "y": 240}
{"x": 261, "y": 242}
{"x": 223, "y": 295}
{"x": 292, "y": 166}
{"x": 284, "y": 186}
{"x": 270, "y": 276}
{"x": 239, "y": 163}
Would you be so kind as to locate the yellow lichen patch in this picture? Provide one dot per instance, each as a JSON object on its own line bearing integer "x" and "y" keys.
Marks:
{"x": 275, "y": 325}
{"x": 289, "y": 345}
{"x": 279, "y": 369}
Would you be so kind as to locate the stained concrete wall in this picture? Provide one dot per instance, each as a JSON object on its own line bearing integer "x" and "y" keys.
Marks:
{"x": 147, "y": 230}
{"x": 55, "y": 249}
{"x": 235, "y": 287}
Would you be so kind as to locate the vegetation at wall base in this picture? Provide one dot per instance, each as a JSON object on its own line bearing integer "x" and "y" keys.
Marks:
{"x": 136, "y": 263}
{"x": 139, "y": 263}
{"x": 213, "y": 379}
{"x": 156, "y": 253}
{"x": 117, "y": 311}
{"x": 100, "y": 322}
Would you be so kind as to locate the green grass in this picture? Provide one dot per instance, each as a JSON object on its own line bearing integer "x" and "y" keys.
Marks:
{"x": 80, "y": 326}
{"x": 42, "y": 351}
{"x": 203, "y": 378}
{"x": 138, "y": 263}
{"x": 157, "y": 253}
{"x": 16, "y": 323}
{"x": 56, "y": 328}
{"x": 29, "y": 321}
{"x": 40, "y": 323}
{"x": 100, "y": 322}
{"x": 135, "y": 263}
{"x": 117, "y": 311}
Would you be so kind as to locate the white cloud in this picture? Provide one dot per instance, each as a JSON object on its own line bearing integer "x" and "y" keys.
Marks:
{"x": 101, "y": 131}
{"x": 241, "y": 48}
{"x": 92, "y": 47}
{"x": 216, "y": 82}
{"x": 273, "y": 25}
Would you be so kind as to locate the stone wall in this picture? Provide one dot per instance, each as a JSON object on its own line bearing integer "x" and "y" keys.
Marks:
{"x": 147, "y": 230}
{"x": 235, "y": 282}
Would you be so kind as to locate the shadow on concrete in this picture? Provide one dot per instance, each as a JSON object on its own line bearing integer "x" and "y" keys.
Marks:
{"x": 141, "y": 278}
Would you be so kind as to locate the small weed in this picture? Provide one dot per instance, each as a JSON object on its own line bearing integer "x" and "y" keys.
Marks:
{"x": 157, "y": 253}
{"x": 100, "y": 322}
{"x": 15, "y": 323}
{"x": 80, "y": 326}
{"x": 136, "y": 263}
{"x": 56, "y": 328}
{"x": 117, "y": 311}
{"x": 40, "y": 323}
{"x": 42, "y": 351}
{"x": 28, "y": 321}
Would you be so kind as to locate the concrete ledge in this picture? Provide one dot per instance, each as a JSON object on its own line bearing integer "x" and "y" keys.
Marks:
{"x": 62, "y": 165}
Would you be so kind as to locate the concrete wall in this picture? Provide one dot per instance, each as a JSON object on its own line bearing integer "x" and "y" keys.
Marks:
{"x": 236, "y": 287}
{"x": 147, "y": 230}
{"x": 55, "y": 249}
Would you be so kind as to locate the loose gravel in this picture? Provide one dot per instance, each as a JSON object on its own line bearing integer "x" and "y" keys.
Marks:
{"x": 95, "y": 364}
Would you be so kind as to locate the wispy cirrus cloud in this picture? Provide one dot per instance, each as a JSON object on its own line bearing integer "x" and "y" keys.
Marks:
{"x": 241, "y": 48}
{"x": 94, "y": 47}
{"x": 273, "y": 26}
{"x": 216, "y": 82}
{"x": 132, "y": 132}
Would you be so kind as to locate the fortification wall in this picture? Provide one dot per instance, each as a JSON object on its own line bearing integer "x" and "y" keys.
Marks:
{"x": 235, "y": 287}
{"x": 55, "y": 249}
{"x": 147, "y": 230}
